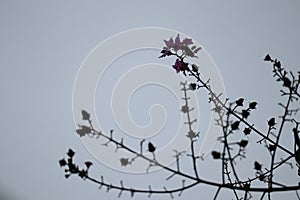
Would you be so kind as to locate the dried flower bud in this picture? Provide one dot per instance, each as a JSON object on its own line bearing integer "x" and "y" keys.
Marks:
{"x": 195, "y": 68}
{"x": 193, "y": 86}
{"x": 257, "y": 166}
{"x": 62, "y": 162}
{"x": 271, "y": 122}
{"x": 151, "y": 147}
{"x": 239, "y": 102}
{"x": 243, "y": 143}
{"x": 235, "y": 125}
{"x": 245, "y": 113}
{"x": 247, "y": 131}
{"x": 252, "y": 105}
{"x": 88, "y": 164}
{"x": 268, "y": 58}
{"x": 216, "y": 155}
{"x": 124, "y": 161}
{"x": 71, "y": 153}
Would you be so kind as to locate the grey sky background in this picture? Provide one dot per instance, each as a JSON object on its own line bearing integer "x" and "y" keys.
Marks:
{"x": 43, "y": 44}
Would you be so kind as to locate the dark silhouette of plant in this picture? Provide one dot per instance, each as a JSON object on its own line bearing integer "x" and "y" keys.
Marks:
{"x": 233, "y": 120}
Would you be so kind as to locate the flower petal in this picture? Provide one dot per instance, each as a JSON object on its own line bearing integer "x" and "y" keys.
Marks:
{"x": 169, "y": 43}
{"x": 177, "y": 40}
{"x": 187, "y": 41}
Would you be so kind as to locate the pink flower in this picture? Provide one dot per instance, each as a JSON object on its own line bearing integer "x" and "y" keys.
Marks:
{"x": 187, "y": 41}
{"x": 172, "y": 47}
{"x": 180, "y": 66}
{"x": 169, "y": 43}
{"x": 177, "y": 65}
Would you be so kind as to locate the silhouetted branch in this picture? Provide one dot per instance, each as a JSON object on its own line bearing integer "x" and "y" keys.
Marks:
{"x": 191, "y": 134}
{"x": 232, "y": 117}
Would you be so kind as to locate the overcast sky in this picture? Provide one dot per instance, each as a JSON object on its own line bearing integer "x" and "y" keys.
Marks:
{"x": 44, "y": 43}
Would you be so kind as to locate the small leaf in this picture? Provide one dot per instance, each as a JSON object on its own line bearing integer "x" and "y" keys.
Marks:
{"x": 71, "y": 153}
{"x": 80, "y": 132}
{"x": 216, "y": 155}
{"x": 86, "y": 129}
{"x": 151, "y": 147}
{"x": 235, "y": 125}
{"x": 85, "y": 115}
{"x": 239, "y": 102}
{"x": 271, "y": 122}
{"x": 83, "y": 130}
{"x": 243, "y": 143}
{"x": 257, "y": 166}
{"x": 252, "y": 105}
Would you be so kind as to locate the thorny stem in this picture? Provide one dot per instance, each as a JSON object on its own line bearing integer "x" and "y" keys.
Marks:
{"x": 268, "y": 171}
{"x": 279, "y": 189}
{"x": 217, "y": 193}
{"x": 198, "y": 180}
{"x": 234, "y": 186}
{"x": 283, "y": 120}
{"x": 230, "y": 181}
{"x": 245, "y": 196}
{"x": 102, "y": 183}
{"x": 223, "y": 164}
{"x": 189, "y": 122}
{"x": 233, "y": 113}
{"x": 226, "y": 146}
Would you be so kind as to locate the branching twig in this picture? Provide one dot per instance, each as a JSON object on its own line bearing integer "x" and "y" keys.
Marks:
{"x": 231, "y": 117}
